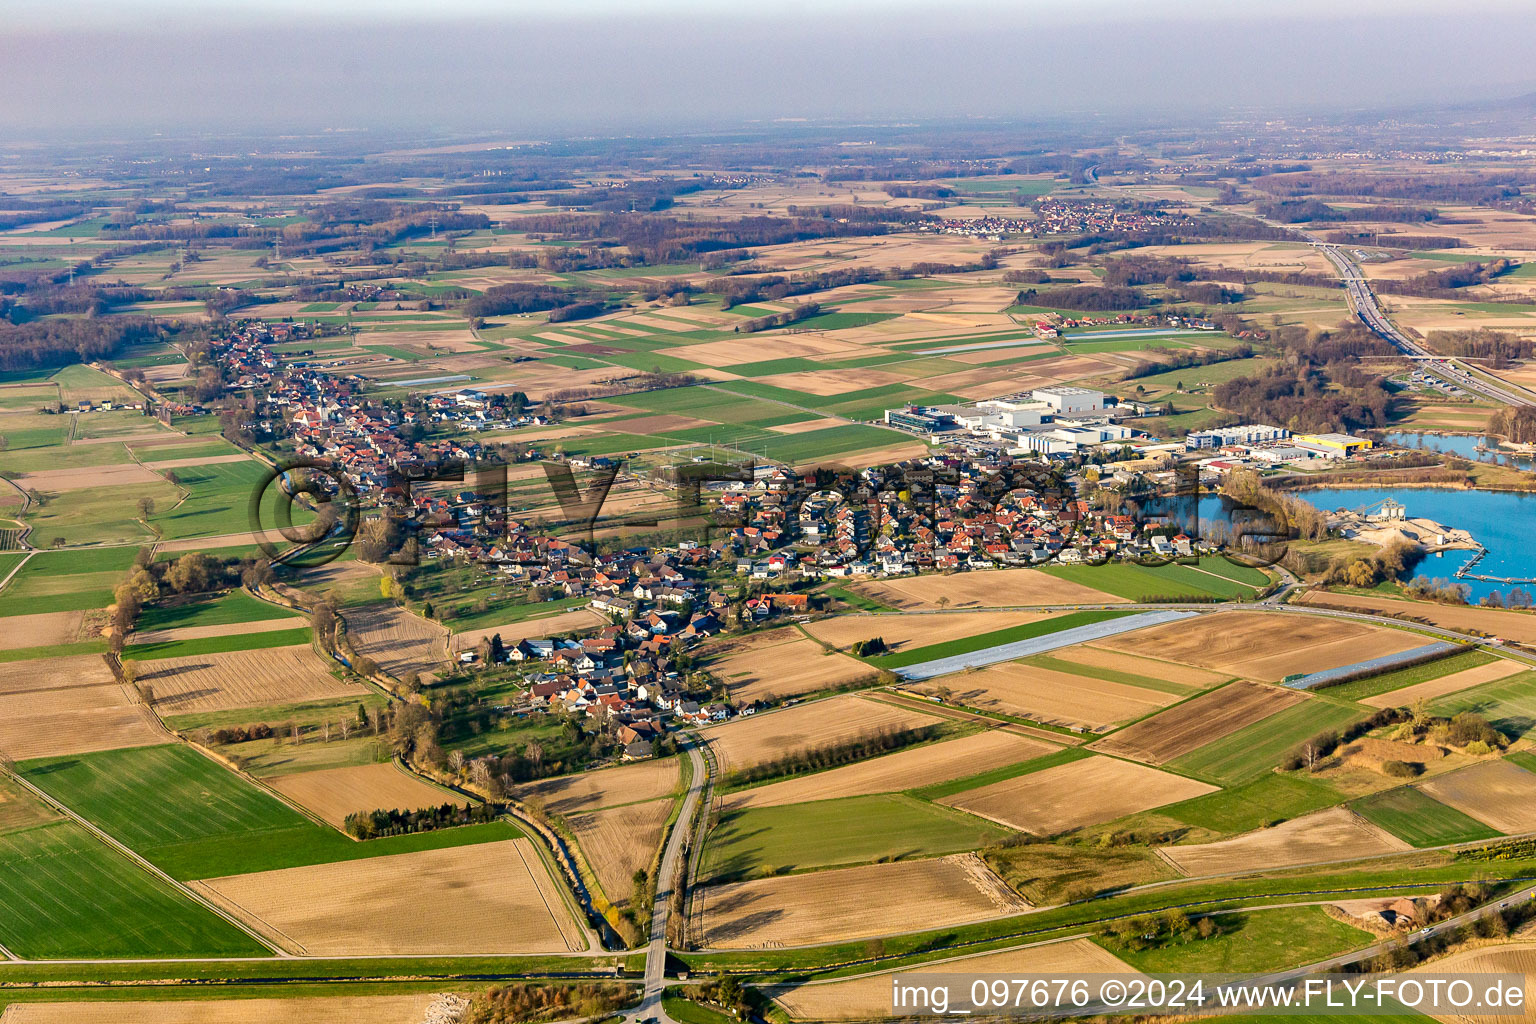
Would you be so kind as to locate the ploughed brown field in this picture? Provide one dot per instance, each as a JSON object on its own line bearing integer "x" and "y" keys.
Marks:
{"x": 991, "y": 589}
{"x": 45, "y": 712}
{"x": 1147, "y": 668}
{"x": 620, "y": 841}
{"x": 1055, "y": 698}
{"x": 44, "y": 629}
{"x": 1076, "y": 794}
{"x": 1519, "y": 627}
{"x": 784, "y": 663}
{"x": 334, "y": 793}
{"x": 1512, "y": 958}
{"x": 407, "y": 1009}
{"x": 869, "y": 996}
{"x": 397, "y": 641}
{"x": 586, "y": 791}
{"x": 906, "y": 769}
{"x": 242, "y": 679}
{"x": 905, "y": 632}
{"x": 850, "y": 903}
{"x": 1500, "y": 794}
{"x": 490, "y": 898}
{"x": 1453, "y": 683}
{"x": 1266, "y": 646}
{"x": 1210, "y": 716}
{"x": 768, "y": 736}
{"x": 1334, "y": 834}
{"x": 75, "y": 670}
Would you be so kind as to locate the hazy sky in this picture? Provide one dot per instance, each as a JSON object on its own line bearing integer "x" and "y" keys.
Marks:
{"x": 604, "y": 65}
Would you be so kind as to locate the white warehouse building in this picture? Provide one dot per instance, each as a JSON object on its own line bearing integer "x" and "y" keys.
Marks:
{"x": 1070, "y": 401}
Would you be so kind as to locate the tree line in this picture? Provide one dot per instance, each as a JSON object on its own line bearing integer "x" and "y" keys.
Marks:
{"x": 804, "y": 311}
{"x": 396, "y": 822}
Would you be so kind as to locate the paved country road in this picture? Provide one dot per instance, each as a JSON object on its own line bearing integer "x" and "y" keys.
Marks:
{"x": 667, "y": 878}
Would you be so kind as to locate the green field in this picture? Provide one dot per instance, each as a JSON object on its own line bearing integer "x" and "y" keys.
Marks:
{"x": 1250, "y": 752}
{"x": 829, "y": 833}
{"x": 97, "y": 515}
{"x": 219, "y": 644}
{"x": 1373, "y": 686}
{"x": 211, "y": 610}
{"x": 1142, "y": 583}
{"x": 193, "y": 818}
{"x": 966, "y": 645}
{"x": 1510, "y": 704}
{"x": 218, "y": 501}
{"x": 1264, "y": 940}
{"x": 66, "y": 894}
{"x": 66, "y": 580}
{"x": 1420, "y": 820}
{"x": 1267, "y": 800}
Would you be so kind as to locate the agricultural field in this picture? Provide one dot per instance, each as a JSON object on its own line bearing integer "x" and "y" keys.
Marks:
{"x": 1518, "y": 627}
{"x": 618, "y": 841}
{"x": 1405, "y": 686}
{"x": 1115, "y": 664}
{"x": 1328, "y": 835}
{"x": 911, "y": 632}
{"x": 45, "y": 714}
{"x": 66, "y": 580}
{"x": 383, "y": 1009}
{"x": 1130, "y": 582}
{"x": 1066, "y": 699}
{"x": 783, "y": 663}
{"x": 193, "y": 818}
{"x": 399, "y": 642}
{"x": 997, "y": 588}
{"x": 1077, "y": 794}
{"x": 850, "y": 903}
{"x": 1509, "y": 703}
{"x": 1500, "y": 794}
{"x": 1264, "y": 646}
{"x": 64, "y": 893}
{"x": 788, "y": 838}
{"x": 242, "y": 679}
{"x": 586, "y": 791}
{"x": 1193, "y": 724}
{"x": 411, "y": 903}
{"x": 1420, "y": 820}
{"x": 926, "y": 765}
{"x": 869, "y": 996}
{"x": 771, "y": 735}
{"x": 1251, "y": 751}
{"x": 334, "y": 793}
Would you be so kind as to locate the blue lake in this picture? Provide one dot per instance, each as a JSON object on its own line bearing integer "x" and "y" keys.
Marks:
{"x": 1503, "y": 522}
{"x": 1464, "y": 445}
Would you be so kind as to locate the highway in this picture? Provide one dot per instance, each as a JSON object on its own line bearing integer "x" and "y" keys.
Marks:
{"x": 1363, "y": 301}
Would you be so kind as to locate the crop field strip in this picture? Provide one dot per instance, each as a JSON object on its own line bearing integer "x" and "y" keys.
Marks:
{"x": 1251, "y": 751}
{"x": 789, "y": 838}
{"x": 1206, "y": 719}
{"x": 1333, "y": 834}
{"x": 193, "y": 818}
{"x": 243, "y": 679}
{"x": 1081, "y": 792}
{"x": 414, "y": 903}
{"x": 850, "y": 903}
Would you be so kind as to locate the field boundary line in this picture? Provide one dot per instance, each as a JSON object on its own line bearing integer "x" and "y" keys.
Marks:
{"x": 107, "y": 838}
{"x": 26, "y": 557}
